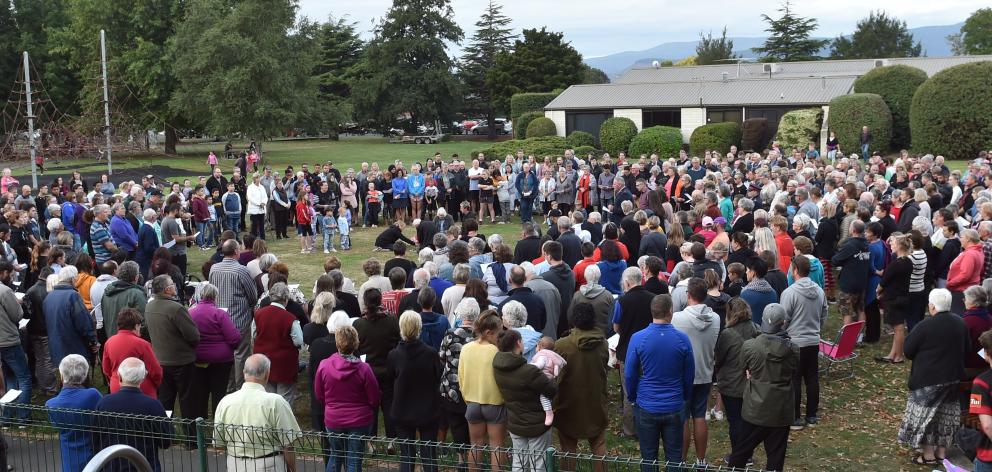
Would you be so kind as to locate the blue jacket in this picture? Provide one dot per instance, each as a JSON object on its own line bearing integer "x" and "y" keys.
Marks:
{"x": 150, "y": 435}
{"x": 435, "y": 325}
{"x": 123, "y": 234}
{"x": 611, "y": 273}
{"x": 415, "y": 182}
{"x": 70, "y": 328}
{"x": 68, "y": 217}
{"x": 758, "y": 301}
{"x": 659, "y": 369}
{"x": 815, "y": 272}
{"x": 532, "y": 178}
{"x": 75, "y": 439}
{"x": 400, "y": 188}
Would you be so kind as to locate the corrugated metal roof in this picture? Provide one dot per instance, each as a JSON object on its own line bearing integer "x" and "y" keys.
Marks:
{"x": 856, "y": 67}
{"x": 746, "y": 92}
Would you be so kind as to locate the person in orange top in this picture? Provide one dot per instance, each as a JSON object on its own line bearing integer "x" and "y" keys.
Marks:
{"x": 587, "y": 250}
{"x": 780, "y": 228}
{"x": 128, "y": 343}
{"x": 84, "y": 264}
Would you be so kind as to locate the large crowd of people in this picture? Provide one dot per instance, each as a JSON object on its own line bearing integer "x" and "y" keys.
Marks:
{"x": 705, "y": 281}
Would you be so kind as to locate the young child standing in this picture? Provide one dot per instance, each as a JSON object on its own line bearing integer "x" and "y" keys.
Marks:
{"x": 344, "y": 227}
{"x": 329, "y": 225}
{"x": 551, "y": 364}
{"x": 374, "y": 201}
{"x": 211, "y": 223}
{"x": 212, "y": 161}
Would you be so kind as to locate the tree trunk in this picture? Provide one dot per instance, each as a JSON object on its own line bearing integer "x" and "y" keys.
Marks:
{"x": 491, "y": 119}
{"x": 171, "y": 138}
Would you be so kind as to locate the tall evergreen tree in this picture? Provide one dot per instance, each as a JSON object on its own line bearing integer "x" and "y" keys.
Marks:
{"x": 592, "y": 75}
{"x": 9, "y": 47}
{"x": 338, "y": 68}
{"x": 541, "y": 62}
{"x": 789, "y": 39}
{"x": 42, "y": 25}
{"x": 710, "y": 50}
{"x": 492, "y": 36}
{"x": 878, "y": 35}
{"x": 407, "y": 67}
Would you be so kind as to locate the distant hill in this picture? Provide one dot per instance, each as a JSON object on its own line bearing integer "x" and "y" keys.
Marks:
{"x": 933, "y": 39}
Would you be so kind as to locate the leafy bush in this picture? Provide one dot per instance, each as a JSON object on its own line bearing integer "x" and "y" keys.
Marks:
{"x": 950, "y": 114}
{"x": 540, "y": 147}
{"x": 521, "y": 103}
{"x": 717, "y": 136}
{"x": 896, "y": 85}
{"x": 583, "y": 151}
{"x": 581, "y": 138}
{"x": 615, "y": 134}
{"x": 664, "y": 140}
{"x": 755, "y": 134}
{"x": 798, "y": 128}
{"x": 520, "y": 124}
{"x": 542, "y": 126}
{"x": 848, "y": 113}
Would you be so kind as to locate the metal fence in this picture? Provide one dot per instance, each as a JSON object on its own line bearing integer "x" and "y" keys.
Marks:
{"x": 42, "y": 439}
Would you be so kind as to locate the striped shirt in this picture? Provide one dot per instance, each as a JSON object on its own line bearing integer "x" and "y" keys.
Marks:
{"x": 919, "y": 259}
{"x": 236, "y": 291}
{"x": 99, "y": 235}
{"x": 987, "y": 268}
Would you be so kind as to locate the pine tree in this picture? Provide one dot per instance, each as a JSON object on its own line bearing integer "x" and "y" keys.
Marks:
{"x": 492, "y": 36}
{"x": 878, "y": 35}
{"x": 407, "y": 70}
{"x": 337, "y": 69}
{"x": 9, "y": 47}
{"x": 790, "y": 38}
{"x": 710, "y": 50}
{"x": 540, "y": 62}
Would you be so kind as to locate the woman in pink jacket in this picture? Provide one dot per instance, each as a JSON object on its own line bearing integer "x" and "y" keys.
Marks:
{"x": 348, "y": 190}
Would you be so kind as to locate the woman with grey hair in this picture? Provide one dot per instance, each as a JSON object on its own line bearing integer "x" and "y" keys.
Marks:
{"x": 515, "y": 318}
{"x": 593, "y": 293}
{"x": 264, "y": 264}
{"x": 453, "y": 295}
{"x": 278, "y": 335}
{"x": 923, "y": 225}
{"x": 149, "y": 239}
{"x": 76, "y": 444}
{"x": 425, "y": 255}
{"x": 121, "y": 231}
{"x": 215, "y": 352}
{"x": 976, "y": 317}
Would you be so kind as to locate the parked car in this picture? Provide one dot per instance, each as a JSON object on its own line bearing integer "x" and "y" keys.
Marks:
{"x": 483, "y": 127}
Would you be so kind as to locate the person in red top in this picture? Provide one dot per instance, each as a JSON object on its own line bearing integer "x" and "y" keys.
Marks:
{"x": 611, "y": 233}
{"x": 201, "y": 214}
{"x": 587, "y": 249}
{"x": 278, "y": 335}
{"x": 706, "y": 231}
{"x": 391, "y": 299}
{"x": 304, "y": 215}
{"x": 966, "y": 269}
{"x": 980, "y": 404}
{"x": 780, "y": 228}
{"x": 128, "y": 343}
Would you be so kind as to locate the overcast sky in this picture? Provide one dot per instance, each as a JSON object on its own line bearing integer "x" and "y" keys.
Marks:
{"x": 598, "y": 27}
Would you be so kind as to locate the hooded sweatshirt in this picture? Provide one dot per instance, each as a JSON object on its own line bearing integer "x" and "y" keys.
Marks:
{"x": 582, "y": 384}
{"x": 854, "y": 260}
{"x": 806, "y": 311}
{"x": 117, "y": 296}
{"x": 348, "y": 390}
{"x": 758, "y": 294}
{"x": 602, "y": 304}
{"x": 702, "y": 325}
{"x": 611, "y": 273}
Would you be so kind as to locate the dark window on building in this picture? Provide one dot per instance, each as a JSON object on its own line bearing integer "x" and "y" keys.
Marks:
{"x": 671, "y": 117}
{"x": 588, "y": 121}
{"x": 723, "y": 115}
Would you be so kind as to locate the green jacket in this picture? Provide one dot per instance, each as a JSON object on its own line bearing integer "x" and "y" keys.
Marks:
{"x": 117, "y": 296}
{"x": 580, "y": 407}
{"x": 729, "y": 367}
{"x": 521, "y": 385}
{"x": 768, "y": 399}
{"x": 174, "y": 334}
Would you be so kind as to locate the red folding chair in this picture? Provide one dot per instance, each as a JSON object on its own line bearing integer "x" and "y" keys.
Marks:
{"x": 841, "y": 351}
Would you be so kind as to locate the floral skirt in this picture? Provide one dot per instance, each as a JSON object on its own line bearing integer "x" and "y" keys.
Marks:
{"x": 932, "y": 416}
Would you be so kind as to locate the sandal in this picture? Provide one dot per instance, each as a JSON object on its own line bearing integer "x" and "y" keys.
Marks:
{"x": 922, "y": 461}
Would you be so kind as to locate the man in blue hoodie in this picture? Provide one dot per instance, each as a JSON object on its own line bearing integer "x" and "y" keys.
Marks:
{"x": 806, "y": 310}
{"x": 758, "y": 293}
{"x": 659, "y": 371}
{"x": 854, "y": 261}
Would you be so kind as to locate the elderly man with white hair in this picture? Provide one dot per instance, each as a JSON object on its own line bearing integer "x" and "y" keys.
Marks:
{"x": 76, "y": 444}
{"x": 421, "y": 280}
{"x": 593, "y": 293}
{"x": 515, "y": 318}
{"x": 70, "y": 329}
{"x": 630, "y": 316}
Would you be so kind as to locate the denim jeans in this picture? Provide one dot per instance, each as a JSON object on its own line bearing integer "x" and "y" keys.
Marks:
{"x": 526, "y": 209}
{"x": 201, "y": 229}
{"x": 328, "y": 239}
{"x": 346, "y": 453}
{"x": 981, "y": 466}
{"x": 345, "y": 241}
{"x": 233, "y": 222}
{"x": 15, "y": 359}
{"x": 864, "y": 151}
{"x": 651, "y": 428}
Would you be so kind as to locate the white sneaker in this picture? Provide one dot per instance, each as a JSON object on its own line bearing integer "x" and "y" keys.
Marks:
{"x": 709, "y": 415}
{"x": 718, "y": 415}
{"x": 326, "y": 251}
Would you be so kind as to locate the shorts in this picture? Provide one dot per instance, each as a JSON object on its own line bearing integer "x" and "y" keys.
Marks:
{"x": 414, "y": 198}
{"x": 400, "y": 203}
{"x": 304, "y": 230}
{"x": 483, "y": 198}
{"x": 476, "y": 413}
{"x": 850, "y": 304}
{"x": 696, "y": 406}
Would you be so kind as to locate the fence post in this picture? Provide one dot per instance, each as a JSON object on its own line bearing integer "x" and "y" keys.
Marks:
{"x": 201, "y": 444}
{"x": 550, "y": 465}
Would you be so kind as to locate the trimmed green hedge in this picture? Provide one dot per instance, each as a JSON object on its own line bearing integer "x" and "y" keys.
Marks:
{"x": 951, "y": 113}
{"x": 615, "y": 134}
{"x": 664, "y": 140}
{"x": 896, "y": 85}
{"x": 798, "y": 128}
{"x": 540, "y": 127}
{"x": 540, "y": 147}
{"x": 755, "y": 134}
{"x": 583, "y": 151}
{"x": 717, "y": 136}
{"x": 520, "y": 124}
{"x": 581, "y": 138}
{"x": 848, "y": 113}
{"x": 521, "y": 103}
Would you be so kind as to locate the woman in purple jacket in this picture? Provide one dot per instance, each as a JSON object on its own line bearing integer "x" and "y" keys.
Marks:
{"x": 349, "y": 392}
{"x": 215, "y": 353}
{"x": 122, "y": 232}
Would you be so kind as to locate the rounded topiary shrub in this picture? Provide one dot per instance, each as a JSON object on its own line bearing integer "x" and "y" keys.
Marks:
{"x": 896, "y": 85}
{"x": 581, "y": 138}
{"x": 848, "y": 113}
{"x": 520, "y": 124}
{"x": 583, "y": 151}
{"x": 615, "y": 134}
{"x": 951, "y": 115}
{"x": 664, "y": 140}
{"x": 539, "y": 127}
{"x": 755, "y": 134}
{"x": 798, "y": 128}
{"x": 715, "y": 137}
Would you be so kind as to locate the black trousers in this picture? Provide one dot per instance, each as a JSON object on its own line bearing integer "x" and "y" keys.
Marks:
{"x": 258, "y": 225}
{"x": 775, "y": 439}
{"x": 385, "y": 404}
{"x": 180, "y": 261}
{"x": 873, "y": 322}
{"x": 208, "y": 386}
{"x": 808, "y": 374}
{"x": 176, "y": 382}
{"x": 454, "y": 414}
{"x": 282, "y": 219}
{"x": 428, "y": 454}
